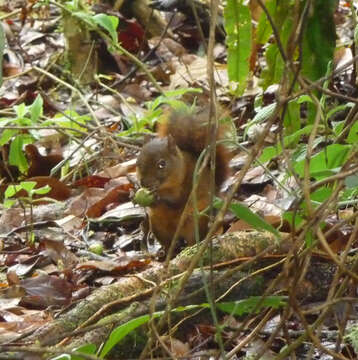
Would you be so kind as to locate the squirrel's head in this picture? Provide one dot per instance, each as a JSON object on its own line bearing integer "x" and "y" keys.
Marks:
{"x": 159, "y": 159}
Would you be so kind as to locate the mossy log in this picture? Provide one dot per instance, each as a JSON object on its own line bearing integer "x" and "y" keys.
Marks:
{"x": 138, "y": 287}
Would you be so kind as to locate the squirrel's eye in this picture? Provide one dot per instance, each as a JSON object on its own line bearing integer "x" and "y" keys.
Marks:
{"x": 161, "y": 164}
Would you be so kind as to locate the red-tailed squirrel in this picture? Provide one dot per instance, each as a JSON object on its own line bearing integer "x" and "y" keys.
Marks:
{"x": 165, "y": 167}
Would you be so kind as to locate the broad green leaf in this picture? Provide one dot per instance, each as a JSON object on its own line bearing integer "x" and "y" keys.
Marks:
{"x": 319, "y": 39}
{"x": 321, "y": 194}
{"x": 36, "y": 109}
{"x": 247, "y": 306}
{"x": 271, "y": 151}
{"x": 294, "y": 219}
{"x": 85, "y": 16}
{"x": 292, "y": 119}
{"x": 309, "y": 241}
{"x": 16, "y": 155}
{"x": 283, "y": 18}
{"x": 108, "y": 22}
{"x": 304, "y": 98}
{"x": 11, "y": 190}
{"x": 42, "y": 190}
{"x": 352, "y": 137}
{"x": 121, "y": 331}
{"x": 178, "y": 93}
{"x": 264, "y": 29}
{"x": 20, "y": 110}
{"x": 28, "y": 186}
{"x": 71, "y": 120}
{"x": 338, "y": 126}
{"x": 7, "y": 135}
{"x": 327, "y": 161}
{"x": 339, "y": 108}
{"x": 238, "y": 29}
{"x": 8, "y": 203}
{"x": 258, "y": 223}
{"x": 89, "y": 349}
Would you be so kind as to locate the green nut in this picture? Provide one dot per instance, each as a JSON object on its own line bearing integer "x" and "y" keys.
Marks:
{"x": 143, "y": 197}
{"x": 96, "y": 248}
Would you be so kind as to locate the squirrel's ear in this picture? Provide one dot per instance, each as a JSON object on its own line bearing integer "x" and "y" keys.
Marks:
{"x": 171, "y": 143}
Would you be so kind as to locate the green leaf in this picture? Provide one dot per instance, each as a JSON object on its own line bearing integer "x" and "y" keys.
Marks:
{"x": 11, "y": 190}
{"x": 319, "y": 39}
{"x": 42, "y": 190}
{"x": 321, "y": 194}
{"x": 16, "y": 155}
{"x": 71, "y": 120}
{"x": 292, "y": 117}
{"x": 28, "y": 186}
{"x": 264, "y": 30}
{"x": 121, "y": 331}
{"x": 327, "y": 161}
{"x": 89, "y": 349}
{"x": 353, "y": 134}
{"x": 238, "y": 29}
{"x": 108, "y": 22}
{"x": 244, "y": 213}
{"x": 85, "y": 16}
{"x": 7, "y": 135}
{"x": 294, "y": 219}
{"x": 171, "y": 98}
{"x": 20, "y": 110}
{"x": 339, "y": 108}
{"x": 8, "y": 203}
{"x": 304, "y": 98}
{"x": 272, "y": 151}
{"x": 247, "y": 306}
{"x": 309, "y": 240}
{"x": 36, "y": 109}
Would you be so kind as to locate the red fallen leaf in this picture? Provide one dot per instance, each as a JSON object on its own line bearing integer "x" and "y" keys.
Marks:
{"x": 116, "y": 195}
{"x": 45, "y": 290}
{"x": 40, "y": 165}
{"x": 92, "y": 181}
{"x": 131, "y": 35}
{"x": 6, "y": 102}
{"x": 207, "y": 330}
